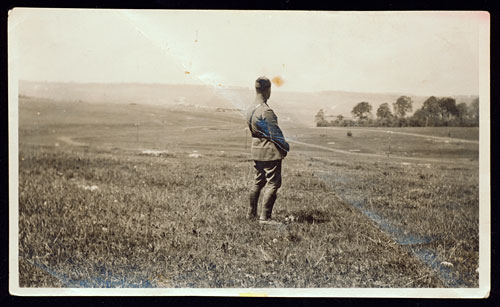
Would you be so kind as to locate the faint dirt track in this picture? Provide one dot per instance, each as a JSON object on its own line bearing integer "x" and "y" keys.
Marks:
{"x": 415, "y": 134}
{"x": 214, "y": 127}
{"x": 376, "y": 155}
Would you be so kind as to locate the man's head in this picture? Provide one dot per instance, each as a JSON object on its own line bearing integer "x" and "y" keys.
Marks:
{"x": 263, "y": 87}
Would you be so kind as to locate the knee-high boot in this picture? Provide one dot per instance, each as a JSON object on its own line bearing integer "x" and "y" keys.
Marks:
{"x": 268, "y": 204}
{"x": 254, "y": 200}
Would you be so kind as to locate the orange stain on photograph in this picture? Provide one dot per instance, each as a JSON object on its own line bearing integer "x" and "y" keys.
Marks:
{"x": 187, "y": 72}
{"x": 278, "y": 81}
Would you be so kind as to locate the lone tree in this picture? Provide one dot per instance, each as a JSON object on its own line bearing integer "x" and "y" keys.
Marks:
{"x": 384, "y": 115}
{"x": 432, "y": 112}
{"x": 448, "y": 108}
{"x": 362, "y": 110}
{"x": 384, "y": 111}
{"x": 320, "y": 119}
{"x": 431, "y": 105}
{"x": 402, "y": 106}
{"x": 320, "y": 116}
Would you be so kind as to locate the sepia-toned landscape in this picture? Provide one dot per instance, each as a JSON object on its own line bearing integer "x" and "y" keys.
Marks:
{"x": 130, "y": 161}
{"x": 128, "y": 195}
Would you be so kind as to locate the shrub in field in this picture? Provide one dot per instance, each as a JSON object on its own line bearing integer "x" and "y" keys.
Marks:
{"x": 349, "y": 133}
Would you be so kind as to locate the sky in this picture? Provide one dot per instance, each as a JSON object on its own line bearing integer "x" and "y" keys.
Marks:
{"x": 425, "y": 53}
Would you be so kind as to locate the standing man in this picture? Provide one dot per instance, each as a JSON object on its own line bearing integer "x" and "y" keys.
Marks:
{"x": 268, "y": 149}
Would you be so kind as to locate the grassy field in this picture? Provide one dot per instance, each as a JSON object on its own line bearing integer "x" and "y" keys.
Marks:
{"x": 424, "y": 143}
{"x": 96, "y": 209}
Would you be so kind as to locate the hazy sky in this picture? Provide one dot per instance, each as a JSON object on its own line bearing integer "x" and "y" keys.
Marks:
{"x": 413, "y": 52}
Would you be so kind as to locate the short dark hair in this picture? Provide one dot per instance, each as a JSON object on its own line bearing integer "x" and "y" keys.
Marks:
{"x": 262, "y": 83}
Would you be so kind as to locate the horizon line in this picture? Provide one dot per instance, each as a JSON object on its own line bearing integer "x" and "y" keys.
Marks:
{"x": 241, "y": 87}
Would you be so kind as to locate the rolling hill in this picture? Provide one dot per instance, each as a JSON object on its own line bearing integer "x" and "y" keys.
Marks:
{"x": 290, "y": 106}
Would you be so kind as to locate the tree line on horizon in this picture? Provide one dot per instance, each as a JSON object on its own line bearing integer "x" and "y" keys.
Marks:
{"x": 435, "y": 112}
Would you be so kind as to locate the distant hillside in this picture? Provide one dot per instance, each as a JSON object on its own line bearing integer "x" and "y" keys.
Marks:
{"x": 290, "y": 106}
{"x": 125, "y": 93}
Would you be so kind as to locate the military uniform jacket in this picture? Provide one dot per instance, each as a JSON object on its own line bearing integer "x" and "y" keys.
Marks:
{"x": 268, "y": 142}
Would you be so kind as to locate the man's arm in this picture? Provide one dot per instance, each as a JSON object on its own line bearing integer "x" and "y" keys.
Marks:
{"x": 275, "y": 133}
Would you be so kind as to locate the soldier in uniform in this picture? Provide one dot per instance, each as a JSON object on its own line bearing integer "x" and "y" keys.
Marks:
{"x": 268, "y": 150}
